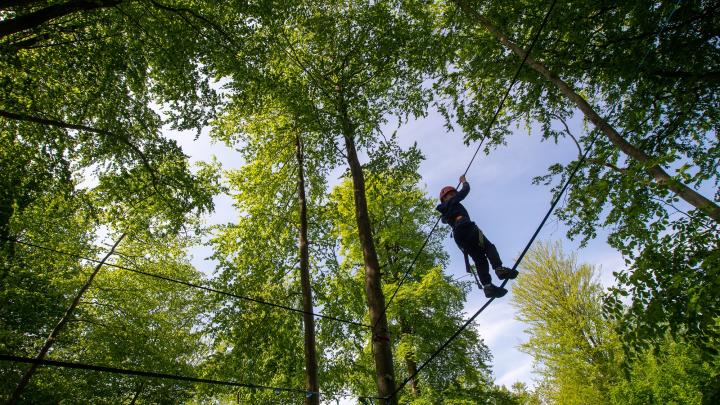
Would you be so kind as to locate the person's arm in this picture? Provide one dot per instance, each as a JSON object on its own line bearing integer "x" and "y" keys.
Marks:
{"x": 464, "y": 190}
{"x": 441, "y": 209}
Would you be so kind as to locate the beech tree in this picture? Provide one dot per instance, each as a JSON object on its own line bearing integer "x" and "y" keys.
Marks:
{"x": 641, "y": 76}
{"x": 87, "y": 88}
{"x": 341, "y": 68}
{"x": 578, "y": 352}
{"x": 575, "y": 347}
{"x": 128, "y": 320}
{"x": 428, "y": 305}
{"x": 278, "y": 191}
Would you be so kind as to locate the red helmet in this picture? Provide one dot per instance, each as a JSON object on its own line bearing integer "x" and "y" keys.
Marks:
{"x": 446, "y": 190}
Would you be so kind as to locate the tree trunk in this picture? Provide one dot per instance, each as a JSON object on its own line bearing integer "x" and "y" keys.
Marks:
{"x": 43, "y": 15}
{"x": 311, "y": 378}
{"x": 382, "y": 351}
{"x": 58, "y": 328}
{"x": 137, "y": 393}
{"x": 7, "y": 210}
{"x": 7, "y": 246}
{"x": 410, "y": 365}
{"x": 658, "y": 173}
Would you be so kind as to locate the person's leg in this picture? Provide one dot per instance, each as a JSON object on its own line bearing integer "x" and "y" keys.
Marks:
{"x": 492, "y": 255}
{"x": 473, "y": 248}
{"x": 468, "y": 239}
{"x": 491, "y": 252}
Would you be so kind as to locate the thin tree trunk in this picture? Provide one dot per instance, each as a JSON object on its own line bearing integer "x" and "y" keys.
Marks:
{"x": 658, "y": 173}
{"x": 7, "y": 210}
{"x": 137, "y": 393}
{"x": 311, "y": 373}
{"x": 58, "y": 328}
{"x": 410, "y": 364}
{"x": 43, "y": 15}
{"x": 7, "y": 247}
{"x": 382, "y": 351}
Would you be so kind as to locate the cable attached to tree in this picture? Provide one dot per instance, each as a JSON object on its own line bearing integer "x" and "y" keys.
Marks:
{"x": 477, "y": 150}
{"x": 186, "y": 283}
{"x": 517, "y": 262}
{"x": 539, "y": 228}
{"x": 164, "y": 376}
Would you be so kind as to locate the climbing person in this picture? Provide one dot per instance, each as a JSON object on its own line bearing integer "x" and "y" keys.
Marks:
{"x": 471, "y": 240}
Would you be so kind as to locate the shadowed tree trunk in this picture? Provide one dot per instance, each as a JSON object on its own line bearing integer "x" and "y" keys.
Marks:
{"x": 382, "y": 351}
{"x": 410, "y": 364}
{"x": 311, "y": 374}
{"x": 60, "y": 325}
{"x": 137, "y": 393}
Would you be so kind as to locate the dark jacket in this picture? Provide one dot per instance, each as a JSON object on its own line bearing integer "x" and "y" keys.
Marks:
{"x": 452, "y": 209}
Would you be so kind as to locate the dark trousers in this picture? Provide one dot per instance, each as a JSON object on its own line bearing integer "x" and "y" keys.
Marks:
{"x": 474, "y": 244}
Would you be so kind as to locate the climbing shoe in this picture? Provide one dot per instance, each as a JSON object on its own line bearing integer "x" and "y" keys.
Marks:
{"x": 493, "y": 291}
{"x": 504, "y": 273}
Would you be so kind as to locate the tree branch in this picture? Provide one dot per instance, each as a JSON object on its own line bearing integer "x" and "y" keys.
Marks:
{"x": 180, "y": 10}
{"x": 78, "y": 127}
{"x": 567, "y": 131}
{"x": 39, "y": 17}
{"x": 712, "y": 76}
{"x": 61, "y": 325}
{"x": 661, "y": 177}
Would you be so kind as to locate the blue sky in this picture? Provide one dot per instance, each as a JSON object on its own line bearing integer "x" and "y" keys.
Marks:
{"x": 503, "y": 202}
{"x": 507, "y": 207}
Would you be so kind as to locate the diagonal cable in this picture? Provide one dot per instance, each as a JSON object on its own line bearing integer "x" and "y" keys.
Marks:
{"x": 477, "y": 150}
{"x": 517, "y": 262}
{"x": 186, "y": 283}
{"x": 532, "y": 238}
{"x": 164, "y": 376}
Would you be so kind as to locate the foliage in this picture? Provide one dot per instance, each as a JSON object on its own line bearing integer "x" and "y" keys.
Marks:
{"x": 88, "y": 91}
{"x": 89, "y": 94}
{"x": 574, "y": 346}
{"x": 428, "y": 306}
{"x": 83, "y": 101}
{"x": 259, "y": 255}
{"x": 126, "y": 320}
{"x": 674, "y": 373}
{"x": 663, "y": 103}
{"x": 579, "y": 354}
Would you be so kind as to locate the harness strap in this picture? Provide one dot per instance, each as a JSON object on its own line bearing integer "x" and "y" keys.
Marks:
{"x": 469, "y": 269}
{"x": 467, "y": 262}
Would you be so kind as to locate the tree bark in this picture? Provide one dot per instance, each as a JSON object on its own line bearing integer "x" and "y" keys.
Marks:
{"x": 43, "y": 15}
{"x": 382, "y": 350}
{"x": 7, "y": 246}
{"x": 410, "y": 364}
{"x": 137, "y": 393}
{"x": 692, "y": 197}
{"x": 60, "y": 325}
{"x": 311, "y": 372}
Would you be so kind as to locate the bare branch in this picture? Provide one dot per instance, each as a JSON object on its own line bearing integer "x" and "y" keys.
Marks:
{"x": 567, "y": 131}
